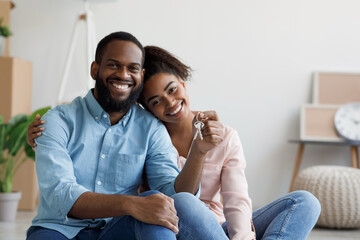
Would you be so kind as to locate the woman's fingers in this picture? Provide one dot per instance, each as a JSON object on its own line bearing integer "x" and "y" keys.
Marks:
{"x": 34, "y": 131}
{"x": 209, "y": 115}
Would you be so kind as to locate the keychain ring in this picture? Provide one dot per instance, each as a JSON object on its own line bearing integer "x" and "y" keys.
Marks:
{"x": 197, "y": 115}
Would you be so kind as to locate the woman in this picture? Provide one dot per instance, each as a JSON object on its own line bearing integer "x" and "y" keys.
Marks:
{"x": 223, "y": 182}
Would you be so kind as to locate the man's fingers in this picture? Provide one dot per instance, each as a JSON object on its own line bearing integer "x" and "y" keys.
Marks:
{"x": 173, "y": 227}
{"x": 172, "y": 219}
{"x": 172, "y": 207}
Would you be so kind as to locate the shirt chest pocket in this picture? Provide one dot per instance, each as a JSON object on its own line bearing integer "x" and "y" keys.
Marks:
{"x": 128, "y": 172}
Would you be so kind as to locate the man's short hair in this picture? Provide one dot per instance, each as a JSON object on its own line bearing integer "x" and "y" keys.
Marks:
{"x": 124, "y": 36}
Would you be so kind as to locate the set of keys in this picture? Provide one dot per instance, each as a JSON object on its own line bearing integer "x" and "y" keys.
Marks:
{"x": 198, "y": 125}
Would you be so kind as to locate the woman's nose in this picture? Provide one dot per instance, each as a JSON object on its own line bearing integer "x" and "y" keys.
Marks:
{"x": 170, "y": 101}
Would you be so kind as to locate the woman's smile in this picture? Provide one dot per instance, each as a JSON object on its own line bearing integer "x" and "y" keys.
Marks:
{"x": 165, "y": 96}
{"x": 177, "y": 110}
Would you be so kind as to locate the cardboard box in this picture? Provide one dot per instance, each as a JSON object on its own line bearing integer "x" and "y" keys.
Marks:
{"x": 15, "y": 86}
{"x": 25, "y": 181}
{"x": 15, "y": 97}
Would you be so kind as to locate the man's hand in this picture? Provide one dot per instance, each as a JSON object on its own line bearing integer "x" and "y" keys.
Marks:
{"x": 156, "y": 209}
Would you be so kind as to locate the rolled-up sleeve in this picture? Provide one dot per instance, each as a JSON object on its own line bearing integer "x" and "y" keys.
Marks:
{"x": 234, "y": 190}
{"x": 57, "y": 182}
{"x": 161, "y": 161}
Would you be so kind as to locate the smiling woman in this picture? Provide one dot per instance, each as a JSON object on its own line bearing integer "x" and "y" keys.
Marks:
{"x": 223, "y": 172}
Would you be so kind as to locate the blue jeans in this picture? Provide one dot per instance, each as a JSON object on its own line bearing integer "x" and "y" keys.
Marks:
{"x": 195, "y": 222}
{"x": 289, "y": 217}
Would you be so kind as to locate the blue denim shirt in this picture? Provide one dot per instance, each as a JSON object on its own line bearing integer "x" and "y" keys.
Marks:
{"x": 80, "y": 151}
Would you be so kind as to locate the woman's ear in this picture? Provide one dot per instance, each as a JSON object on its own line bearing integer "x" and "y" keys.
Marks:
{"x": 94, "y": 70}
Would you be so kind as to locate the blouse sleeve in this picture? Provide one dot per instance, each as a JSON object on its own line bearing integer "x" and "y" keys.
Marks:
{"x": 234, "y": 191}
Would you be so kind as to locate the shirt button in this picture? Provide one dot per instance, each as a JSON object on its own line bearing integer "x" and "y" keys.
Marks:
{"x": 109, "y": 130}
{"x": 96, "y": 118}
{"x": 98, "y": 182}
{"x": 105, "y": 116}
{"x": 103, "y": 156}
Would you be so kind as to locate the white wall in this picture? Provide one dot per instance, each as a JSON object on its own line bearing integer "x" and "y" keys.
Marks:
{"x": 253, "y": 61}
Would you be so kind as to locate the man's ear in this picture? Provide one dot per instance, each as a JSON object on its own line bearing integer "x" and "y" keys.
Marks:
{"x": 94, "y": 70}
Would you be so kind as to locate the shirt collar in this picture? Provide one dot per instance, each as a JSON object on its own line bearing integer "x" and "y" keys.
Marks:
{"x": 97, "y": 112}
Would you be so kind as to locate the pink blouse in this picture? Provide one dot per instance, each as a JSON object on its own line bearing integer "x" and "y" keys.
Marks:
{"x": 224, "y": 188}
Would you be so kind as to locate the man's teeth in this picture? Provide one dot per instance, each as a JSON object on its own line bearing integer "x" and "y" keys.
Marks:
{"x": 176, "y": 110}
{"x": 121, "y": 86}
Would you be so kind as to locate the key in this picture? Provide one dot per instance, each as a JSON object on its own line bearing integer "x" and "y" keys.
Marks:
{"x": 198, "y": 125}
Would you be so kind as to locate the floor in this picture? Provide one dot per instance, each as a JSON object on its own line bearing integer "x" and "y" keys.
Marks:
{"x": 16, "y": 230}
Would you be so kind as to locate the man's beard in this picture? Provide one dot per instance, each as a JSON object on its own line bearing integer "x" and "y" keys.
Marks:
{"x": 110, "y": 104}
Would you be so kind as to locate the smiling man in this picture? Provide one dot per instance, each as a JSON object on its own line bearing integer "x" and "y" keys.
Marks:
{"x": 92, "y": 155}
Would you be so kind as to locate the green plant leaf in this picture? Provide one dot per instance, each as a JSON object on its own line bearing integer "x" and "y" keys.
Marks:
{"x": 4, "y": 29}
{"x": 17, "y": 138}
{"x": 15, "y": 121}
{"x": 29, "y": 151}
{"x": 2, "y": 137}
{"x": 13, "y": 138}
{"x": 40, "y": 111}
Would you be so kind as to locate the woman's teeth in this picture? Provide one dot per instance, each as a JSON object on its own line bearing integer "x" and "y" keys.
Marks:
{"x": 121, "y": 86}
{"x": 176, "y": 110}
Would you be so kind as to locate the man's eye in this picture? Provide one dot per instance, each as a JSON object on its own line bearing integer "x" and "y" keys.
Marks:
{"x": 134, "y": 69}
{"x": 156, "y": 102}
{"x": 112, "y": 65}
{"x": 172, "y": 90}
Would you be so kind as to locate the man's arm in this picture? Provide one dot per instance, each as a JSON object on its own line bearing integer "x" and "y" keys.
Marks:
{"x": 156, "y": 209}
{"x": 65, "y": 197}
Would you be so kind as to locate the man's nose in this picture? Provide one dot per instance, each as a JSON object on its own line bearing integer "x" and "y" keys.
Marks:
{"x": 124, "y": 73}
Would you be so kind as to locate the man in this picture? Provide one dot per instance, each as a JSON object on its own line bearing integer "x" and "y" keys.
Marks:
{"x": 91, "y": 158}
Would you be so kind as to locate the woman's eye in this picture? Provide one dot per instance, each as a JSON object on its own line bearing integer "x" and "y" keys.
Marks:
{"x": 172, "y": 90}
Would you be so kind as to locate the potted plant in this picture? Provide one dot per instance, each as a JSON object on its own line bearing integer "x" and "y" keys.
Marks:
{"x": 14, "y": 151}
{"x": 4, "y": 33}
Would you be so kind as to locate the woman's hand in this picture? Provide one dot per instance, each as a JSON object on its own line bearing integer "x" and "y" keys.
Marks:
{"x": 212, "y": 131}
{"x": 34, "y": 131}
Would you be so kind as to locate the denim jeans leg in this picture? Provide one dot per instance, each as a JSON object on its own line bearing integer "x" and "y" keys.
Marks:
{"x": 289, "y": 217}
{"x": 128, "y": 228}
{"x": 196, "y": 221}
{"x": 39, "y": 233}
